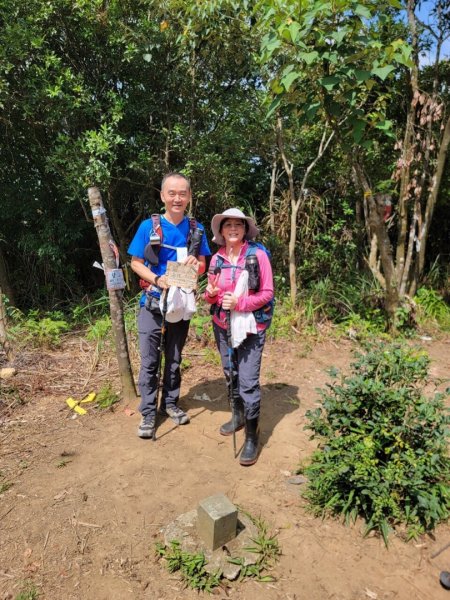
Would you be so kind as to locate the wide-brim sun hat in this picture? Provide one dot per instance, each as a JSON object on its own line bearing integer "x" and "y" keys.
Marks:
{"x": 232, "y": 213}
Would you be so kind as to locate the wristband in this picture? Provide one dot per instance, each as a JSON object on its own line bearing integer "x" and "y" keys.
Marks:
{"x": 156, "y": 280}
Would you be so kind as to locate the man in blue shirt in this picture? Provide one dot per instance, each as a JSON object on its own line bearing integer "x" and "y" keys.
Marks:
{"x": 175, "y": 231}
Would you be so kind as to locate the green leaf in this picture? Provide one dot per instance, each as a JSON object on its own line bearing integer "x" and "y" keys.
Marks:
{"x": 329, "y": 82}
{"x": 273, "y": 106}
{"x": 339, "y": 35}
{"x": 358, "y": 130}
{"x": 270, "y": 44}
{"x": 311, "y": 110}
{"x": 383, "y": 72}
{"x": 363, "y": 11}
{"x": 385, "y": 125}
{"x": 308, "y": 57}
{"x": 362, "y": 75}
{"x": 276, "y": 87}
{"x": 294, "y": 28}
{"x": 289, "y": 79}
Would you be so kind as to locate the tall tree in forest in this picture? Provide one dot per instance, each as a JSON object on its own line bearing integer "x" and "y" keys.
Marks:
{"x": 115, "y": 285}
{"x": 423, "y": 149}
{"x": 328, "y": 63}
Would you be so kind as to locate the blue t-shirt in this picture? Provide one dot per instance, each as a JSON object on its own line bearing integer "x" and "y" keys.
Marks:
{"x": 173, "y": 235}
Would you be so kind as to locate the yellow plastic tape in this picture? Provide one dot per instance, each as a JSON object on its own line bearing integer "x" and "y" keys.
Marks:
{"x": 71, "y": 403}
{"x": 79, "y": 410}
{"x": 89, "y": 398}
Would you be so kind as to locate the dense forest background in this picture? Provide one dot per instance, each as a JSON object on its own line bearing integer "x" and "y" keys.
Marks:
{"x": 328, "y": 121}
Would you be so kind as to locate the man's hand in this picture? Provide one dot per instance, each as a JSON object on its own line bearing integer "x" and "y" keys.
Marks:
{"x": 162, "y": 282}
{"x": 229, "y": 301}
{"x": 191, "y": 260}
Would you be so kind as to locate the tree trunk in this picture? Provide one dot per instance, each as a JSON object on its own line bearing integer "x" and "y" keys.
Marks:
{"x": 117, "y": 224}
{"x": 273, "y": 181}
{"x": 379, "y": 230}
{"x": 289, "y": 168}
{"x": 292, "y": 244}
{"x": 115, "y": 296}
{"x": 4, "y": 343}
{"x": 4, "y": 280}
{"x": 432, "y": 197}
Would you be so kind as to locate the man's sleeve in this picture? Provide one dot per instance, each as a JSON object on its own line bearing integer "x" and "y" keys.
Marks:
{"x": 138, "y": 243}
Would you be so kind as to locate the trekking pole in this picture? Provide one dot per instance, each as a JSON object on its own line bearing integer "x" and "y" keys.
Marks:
{"x": 230, "y": 368}
{"x": 162, "y": 341}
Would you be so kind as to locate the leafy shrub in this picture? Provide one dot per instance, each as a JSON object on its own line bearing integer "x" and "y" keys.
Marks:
{"x": 361, "y": 329}
{"x": 86, "y": 312}
{"x": 106, "y": 397}
{"x": 383, "y": 452}
{"x": 432, "y": 306}
{"x": 191, "y": 566}
{"x": 99, "y": 329}
{"x": 39, "y": 331}
{"x": 286, "y": 319}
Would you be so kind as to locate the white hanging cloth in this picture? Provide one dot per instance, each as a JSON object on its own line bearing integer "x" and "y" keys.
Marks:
{"x": 180, "y": 304}
{"x": 242, "y": 323}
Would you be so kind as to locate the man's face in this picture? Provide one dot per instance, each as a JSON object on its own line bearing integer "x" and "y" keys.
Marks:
{"x": 176, "y": 195}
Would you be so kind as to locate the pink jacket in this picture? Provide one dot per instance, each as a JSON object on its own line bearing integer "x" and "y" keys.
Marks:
{"x": 229, "y": 275}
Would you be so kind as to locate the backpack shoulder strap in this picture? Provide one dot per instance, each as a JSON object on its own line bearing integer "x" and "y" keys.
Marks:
{"x": 251, "y": 249}
{"x": 219, "y": 262}
{"x": 156, "y": 236}
{"x": 192, "y": 224}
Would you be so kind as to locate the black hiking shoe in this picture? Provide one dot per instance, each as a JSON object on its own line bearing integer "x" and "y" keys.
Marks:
{"x": 177, "y": 415}
{"x": 147, "y": 427}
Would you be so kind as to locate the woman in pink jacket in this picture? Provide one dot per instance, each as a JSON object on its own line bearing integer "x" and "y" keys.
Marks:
{"x": 240, "y": 291}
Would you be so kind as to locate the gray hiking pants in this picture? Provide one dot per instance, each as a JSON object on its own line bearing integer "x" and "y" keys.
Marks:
{"x": 246, "y": 368}
{"x": 149, "y": 329}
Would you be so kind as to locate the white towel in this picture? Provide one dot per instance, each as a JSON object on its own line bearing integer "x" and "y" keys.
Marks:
{"x": 180, "y": 304}
{"x": 242, "y": 323}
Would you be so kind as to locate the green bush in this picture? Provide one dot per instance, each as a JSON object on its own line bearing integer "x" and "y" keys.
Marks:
{"x": 432, "y": 306}
{"x": 383, "y": 451}
{"x": 37, "y": 330}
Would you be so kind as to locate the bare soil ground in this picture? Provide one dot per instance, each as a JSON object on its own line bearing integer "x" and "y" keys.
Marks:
{"x": 89, "y": 497}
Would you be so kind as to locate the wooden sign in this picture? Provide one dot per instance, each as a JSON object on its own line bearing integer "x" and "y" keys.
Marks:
{"x": 184, "y": 276}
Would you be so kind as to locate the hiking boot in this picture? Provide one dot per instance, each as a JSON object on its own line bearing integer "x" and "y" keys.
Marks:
{"x": 249, "y": 454}
{"x": 238, "y": 423}
{"x": 147, "y": 427}
{"x": 177, "y": 415}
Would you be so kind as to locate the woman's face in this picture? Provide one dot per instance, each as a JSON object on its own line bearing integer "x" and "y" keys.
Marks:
{"x": 233, "y": 230}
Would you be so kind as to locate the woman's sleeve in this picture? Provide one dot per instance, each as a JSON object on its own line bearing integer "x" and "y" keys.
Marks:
{"x": 265, "y": 292}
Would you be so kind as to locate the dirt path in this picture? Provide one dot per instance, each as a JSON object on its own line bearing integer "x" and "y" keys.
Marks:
{"x": 87, "y": 530}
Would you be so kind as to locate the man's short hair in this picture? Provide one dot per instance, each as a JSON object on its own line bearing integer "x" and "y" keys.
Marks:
{"x": 175, "y": 174}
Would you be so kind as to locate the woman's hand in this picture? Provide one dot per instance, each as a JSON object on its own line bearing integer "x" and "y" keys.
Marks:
{"x": 229, "y": 301}
{"x": 212, "y": 288}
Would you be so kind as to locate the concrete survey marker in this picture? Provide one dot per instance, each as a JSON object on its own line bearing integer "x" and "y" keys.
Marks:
{"x": 211, "y": 519}
{"x": 216, "y": 521}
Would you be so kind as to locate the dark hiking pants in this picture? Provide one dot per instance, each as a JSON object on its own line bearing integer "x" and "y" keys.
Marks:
{"x": 246, "y": 368}
{"x": 149, "y": 329}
